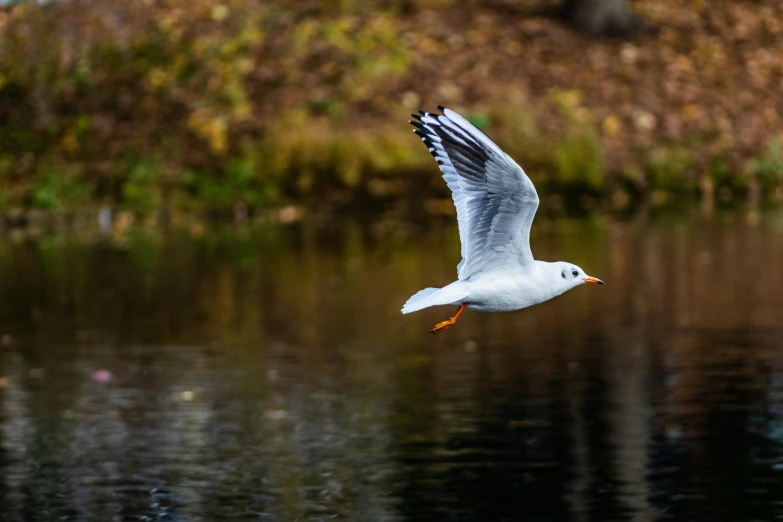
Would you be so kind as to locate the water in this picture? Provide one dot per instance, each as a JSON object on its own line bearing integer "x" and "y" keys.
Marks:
{"x": 266, "y": 374}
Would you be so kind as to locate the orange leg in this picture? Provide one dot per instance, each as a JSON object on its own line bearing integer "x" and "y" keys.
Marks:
{"x": 448, "y": 323}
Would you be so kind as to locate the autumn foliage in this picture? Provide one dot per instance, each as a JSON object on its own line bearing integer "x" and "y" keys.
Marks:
{"x": 208, "y": 104}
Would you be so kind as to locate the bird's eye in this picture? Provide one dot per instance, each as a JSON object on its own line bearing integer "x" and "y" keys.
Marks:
{"x": 574, "y": 273}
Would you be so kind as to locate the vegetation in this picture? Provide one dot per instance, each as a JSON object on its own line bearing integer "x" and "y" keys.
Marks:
{"x": 212, "y": 106}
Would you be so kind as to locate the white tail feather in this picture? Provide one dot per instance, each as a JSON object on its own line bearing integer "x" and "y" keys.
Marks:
{"x": 419, "y": 300}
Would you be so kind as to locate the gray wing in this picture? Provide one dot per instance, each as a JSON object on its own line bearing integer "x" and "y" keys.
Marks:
{"x": 495, "y": 200}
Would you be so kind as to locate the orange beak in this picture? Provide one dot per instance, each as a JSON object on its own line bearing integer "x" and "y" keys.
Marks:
{"x": 592, "y": 280}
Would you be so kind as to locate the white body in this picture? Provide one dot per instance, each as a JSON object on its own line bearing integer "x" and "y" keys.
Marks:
{"x": 499, "y": 291}
{"x": 496, "y": 203}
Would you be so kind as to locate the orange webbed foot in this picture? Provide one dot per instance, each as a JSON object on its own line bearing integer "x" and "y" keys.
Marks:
{"x": 444, "y": 325}
{"x": 448, "y": 323}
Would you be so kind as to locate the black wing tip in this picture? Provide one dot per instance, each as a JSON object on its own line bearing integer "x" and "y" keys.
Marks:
{"x": 421, "y": 113}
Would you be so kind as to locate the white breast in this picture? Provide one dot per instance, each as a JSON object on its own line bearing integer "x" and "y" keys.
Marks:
{"x": 504, "y": 291}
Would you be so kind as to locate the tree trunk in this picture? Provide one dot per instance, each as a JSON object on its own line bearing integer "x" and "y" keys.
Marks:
{"x": 601, "y": 17}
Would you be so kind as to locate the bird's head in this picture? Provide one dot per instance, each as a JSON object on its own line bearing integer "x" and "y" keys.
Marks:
{"x": 573, "y": 276}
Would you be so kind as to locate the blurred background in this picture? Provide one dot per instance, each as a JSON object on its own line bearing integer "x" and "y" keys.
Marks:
{"x": 211, "y": 213}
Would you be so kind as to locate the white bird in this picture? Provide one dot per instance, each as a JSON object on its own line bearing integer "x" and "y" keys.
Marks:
{"x": 496, "y": 203}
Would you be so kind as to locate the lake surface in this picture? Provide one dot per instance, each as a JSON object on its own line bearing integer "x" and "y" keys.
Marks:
{"x": 266, "y": 373}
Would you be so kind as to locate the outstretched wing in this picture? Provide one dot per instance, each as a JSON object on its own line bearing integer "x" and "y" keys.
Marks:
{"x": 495, "y": 200}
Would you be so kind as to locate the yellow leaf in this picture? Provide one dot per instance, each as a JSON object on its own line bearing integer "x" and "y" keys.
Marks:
{"x": 219, "y": 13}
{"x": 692, "y": 111}
{"x": 69, "y": 142}
{"x": 611, "y": 126}
{"x": 156, "y": 77}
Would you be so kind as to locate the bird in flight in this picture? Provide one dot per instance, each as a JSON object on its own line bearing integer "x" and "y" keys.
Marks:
{"x": 496, "y": 203}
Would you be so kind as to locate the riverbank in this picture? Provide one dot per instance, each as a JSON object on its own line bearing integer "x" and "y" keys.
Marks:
{"x": 197, "y": 107}
{"x": 97, "y": 224}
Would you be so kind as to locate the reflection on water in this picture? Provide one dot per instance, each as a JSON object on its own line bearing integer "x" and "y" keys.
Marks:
{"x": 267, "y": 374}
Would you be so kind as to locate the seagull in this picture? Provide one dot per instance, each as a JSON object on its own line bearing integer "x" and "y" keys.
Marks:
{"x": 496, "y": 203}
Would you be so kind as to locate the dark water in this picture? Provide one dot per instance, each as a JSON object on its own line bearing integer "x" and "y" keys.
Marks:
{"x": 267, "y": 374}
